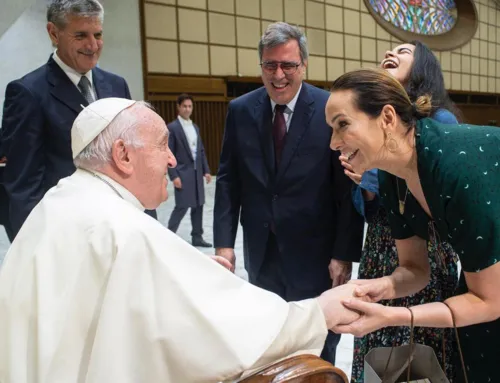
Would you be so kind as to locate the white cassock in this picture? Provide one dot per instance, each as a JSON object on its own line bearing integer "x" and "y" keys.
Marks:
{"x": 93, "y": 290}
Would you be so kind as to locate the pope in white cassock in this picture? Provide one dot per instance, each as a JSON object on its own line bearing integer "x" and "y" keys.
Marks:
{"x": 93, "y": 290}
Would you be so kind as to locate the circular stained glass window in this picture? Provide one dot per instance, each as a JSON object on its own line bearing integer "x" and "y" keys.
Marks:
{"x": 424, "y": 17}
{"x": 440, "y": 24}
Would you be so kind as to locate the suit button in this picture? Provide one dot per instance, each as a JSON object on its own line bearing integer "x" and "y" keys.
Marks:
{"x": 266, "y": 225}
{"x": 275, "y": 197}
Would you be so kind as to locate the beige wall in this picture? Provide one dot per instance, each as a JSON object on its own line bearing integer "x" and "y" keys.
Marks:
{"x": 220, "y": 37}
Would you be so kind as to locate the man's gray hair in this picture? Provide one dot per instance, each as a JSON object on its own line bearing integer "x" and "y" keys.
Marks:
{"x": 59, "y": 10}
{"x": 280, "y": 33}
{"x": 124, "y": 126}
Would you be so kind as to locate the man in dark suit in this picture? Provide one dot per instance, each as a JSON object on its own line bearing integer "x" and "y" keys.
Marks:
{"x": 4, "y": 205}
{"x": 40, "y": 108}
{"x": 300, "y": 229}
{"x": 187, "y": 177}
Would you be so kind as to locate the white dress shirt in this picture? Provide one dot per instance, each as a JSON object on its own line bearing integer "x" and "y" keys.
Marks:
{"x": 191, "y": 135}
{"x": 74, "y": 76}
{"x": 290, "y": 107}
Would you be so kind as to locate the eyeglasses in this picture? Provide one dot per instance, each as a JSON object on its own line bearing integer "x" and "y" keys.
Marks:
{"x": 287, "y": 67}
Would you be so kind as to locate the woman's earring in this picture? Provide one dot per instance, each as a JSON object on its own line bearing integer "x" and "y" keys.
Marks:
{"x": 390, "y": 143}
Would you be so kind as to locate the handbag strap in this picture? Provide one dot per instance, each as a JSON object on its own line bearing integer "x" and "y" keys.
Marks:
{"x": 410, "y": 353}
{"x": 458, "y": 343}
{"x": 441, "y": 257}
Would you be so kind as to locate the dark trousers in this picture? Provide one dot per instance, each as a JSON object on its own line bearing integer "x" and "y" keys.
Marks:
{"x": 272, "y": 278}
{"x": 9, "y": 231}
{"x": 151, "y": 213}
{"x": 196, "y": 220}
{"x": 4, "y": 213}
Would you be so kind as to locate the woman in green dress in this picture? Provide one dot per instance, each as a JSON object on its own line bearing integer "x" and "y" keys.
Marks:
{"x": 453, "y": 174}
{"x": 418, "y": 70}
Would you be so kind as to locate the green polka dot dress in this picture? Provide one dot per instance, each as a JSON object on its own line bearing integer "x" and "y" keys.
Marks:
{"x": 459, "y": 170}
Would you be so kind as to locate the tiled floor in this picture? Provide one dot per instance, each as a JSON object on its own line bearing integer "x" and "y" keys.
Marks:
{"x": 344, "y": 350}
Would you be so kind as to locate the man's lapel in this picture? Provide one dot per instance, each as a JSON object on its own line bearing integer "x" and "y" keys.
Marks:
{"x": 182, "y": 136}
{"x": 264, "y": 122}
{"x": 63, "y": 89}
{"x": 302, "y": 114}
{"x": 102, "y": 87}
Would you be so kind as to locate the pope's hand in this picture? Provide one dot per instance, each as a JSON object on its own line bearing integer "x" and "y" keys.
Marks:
{"x": 373, "y": 290}
{"x": 222, "y": 261}
{"x": 373, "y": 317}
{"x": 333, "y": 309}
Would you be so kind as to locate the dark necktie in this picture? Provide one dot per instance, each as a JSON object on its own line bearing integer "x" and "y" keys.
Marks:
{"x": 279, "y": 132}
{"x": 85, "y": 89}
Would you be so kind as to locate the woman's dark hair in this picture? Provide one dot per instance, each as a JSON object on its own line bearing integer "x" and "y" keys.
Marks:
{"x": 375, "y": 88}
{"x": 426, "y": 77}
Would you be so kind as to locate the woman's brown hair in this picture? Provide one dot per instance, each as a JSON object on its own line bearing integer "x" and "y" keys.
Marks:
{"x": 375, "y": 88}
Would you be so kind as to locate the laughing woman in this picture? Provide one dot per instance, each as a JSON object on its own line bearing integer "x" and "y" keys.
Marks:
{"x": 452, "y": 173}
{"x": 418, "y": 70}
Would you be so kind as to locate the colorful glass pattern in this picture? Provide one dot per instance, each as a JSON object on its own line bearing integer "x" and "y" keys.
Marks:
{"x": 425, "y": 17}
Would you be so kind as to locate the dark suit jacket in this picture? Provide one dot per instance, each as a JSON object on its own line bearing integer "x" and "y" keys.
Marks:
{"x": 192, "y": 193}
{"x": 4, "y": 205}
{"x": 308, "y": 198}
{"x": 39, "y": 111}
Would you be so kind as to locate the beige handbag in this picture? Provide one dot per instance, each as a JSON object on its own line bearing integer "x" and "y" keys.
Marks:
{"x": 410, "y": 363}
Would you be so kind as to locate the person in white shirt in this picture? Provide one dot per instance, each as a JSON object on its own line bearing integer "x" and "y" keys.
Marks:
{"x": 93, "y": 290}
{"x": 192, "y": 167}
{"x": 40, "y": 107}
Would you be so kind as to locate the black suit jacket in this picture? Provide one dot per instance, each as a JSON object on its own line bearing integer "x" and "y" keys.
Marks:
{"x": 39, "y": 111}
{"x": 192, "y": 193}
{"x": 307, "y": 197}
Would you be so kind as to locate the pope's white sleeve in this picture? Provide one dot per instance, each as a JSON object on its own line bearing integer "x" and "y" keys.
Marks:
{"x": 172, "y": 314}
{"x": 303, "y": 331}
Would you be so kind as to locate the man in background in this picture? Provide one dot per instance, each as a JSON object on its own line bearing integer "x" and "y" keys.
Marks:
{"x": 192, "y": 166}
{"x": 40, "y": 107}
{"x": 301, "y": 231}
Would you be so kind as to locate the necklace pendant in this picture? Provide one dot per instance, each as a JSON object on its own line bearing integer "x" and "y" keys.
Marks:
{"x": 401, "y": 207}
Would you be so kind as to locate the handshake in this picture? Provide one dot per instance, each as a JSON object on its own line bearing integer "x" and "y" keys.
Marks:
{"x": 351, "y": 308}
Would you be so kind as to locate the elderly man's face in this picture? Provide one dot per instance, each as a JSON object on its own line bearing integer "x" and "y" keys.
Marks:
{"x": 152, "y": 160}
{"x": 79, "y": 43}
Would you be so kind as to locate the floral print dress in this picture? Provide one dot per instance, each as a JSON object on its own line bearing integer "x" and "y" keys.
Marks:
{"x": 379, "y": 259}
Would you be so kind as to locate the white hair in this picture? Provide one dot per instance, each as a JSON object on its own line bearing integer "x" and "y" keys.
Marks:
{"x": 58, "y": 11}
{"x": 124, "y": 126}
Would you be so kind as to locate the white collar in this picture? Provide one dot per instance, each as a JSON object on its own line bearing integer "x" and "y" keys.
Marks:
{"x": 73, "y": 75}
{"x": 183, "y": 121}
{"x": 291, "y": 104}
{"x": 114, "y": 186}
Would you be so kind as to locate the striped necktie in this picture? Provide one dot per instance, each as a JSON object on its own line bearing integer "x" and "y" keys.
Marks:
{"x": 279, "y": 132}
{"x": 86, "y": 89}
